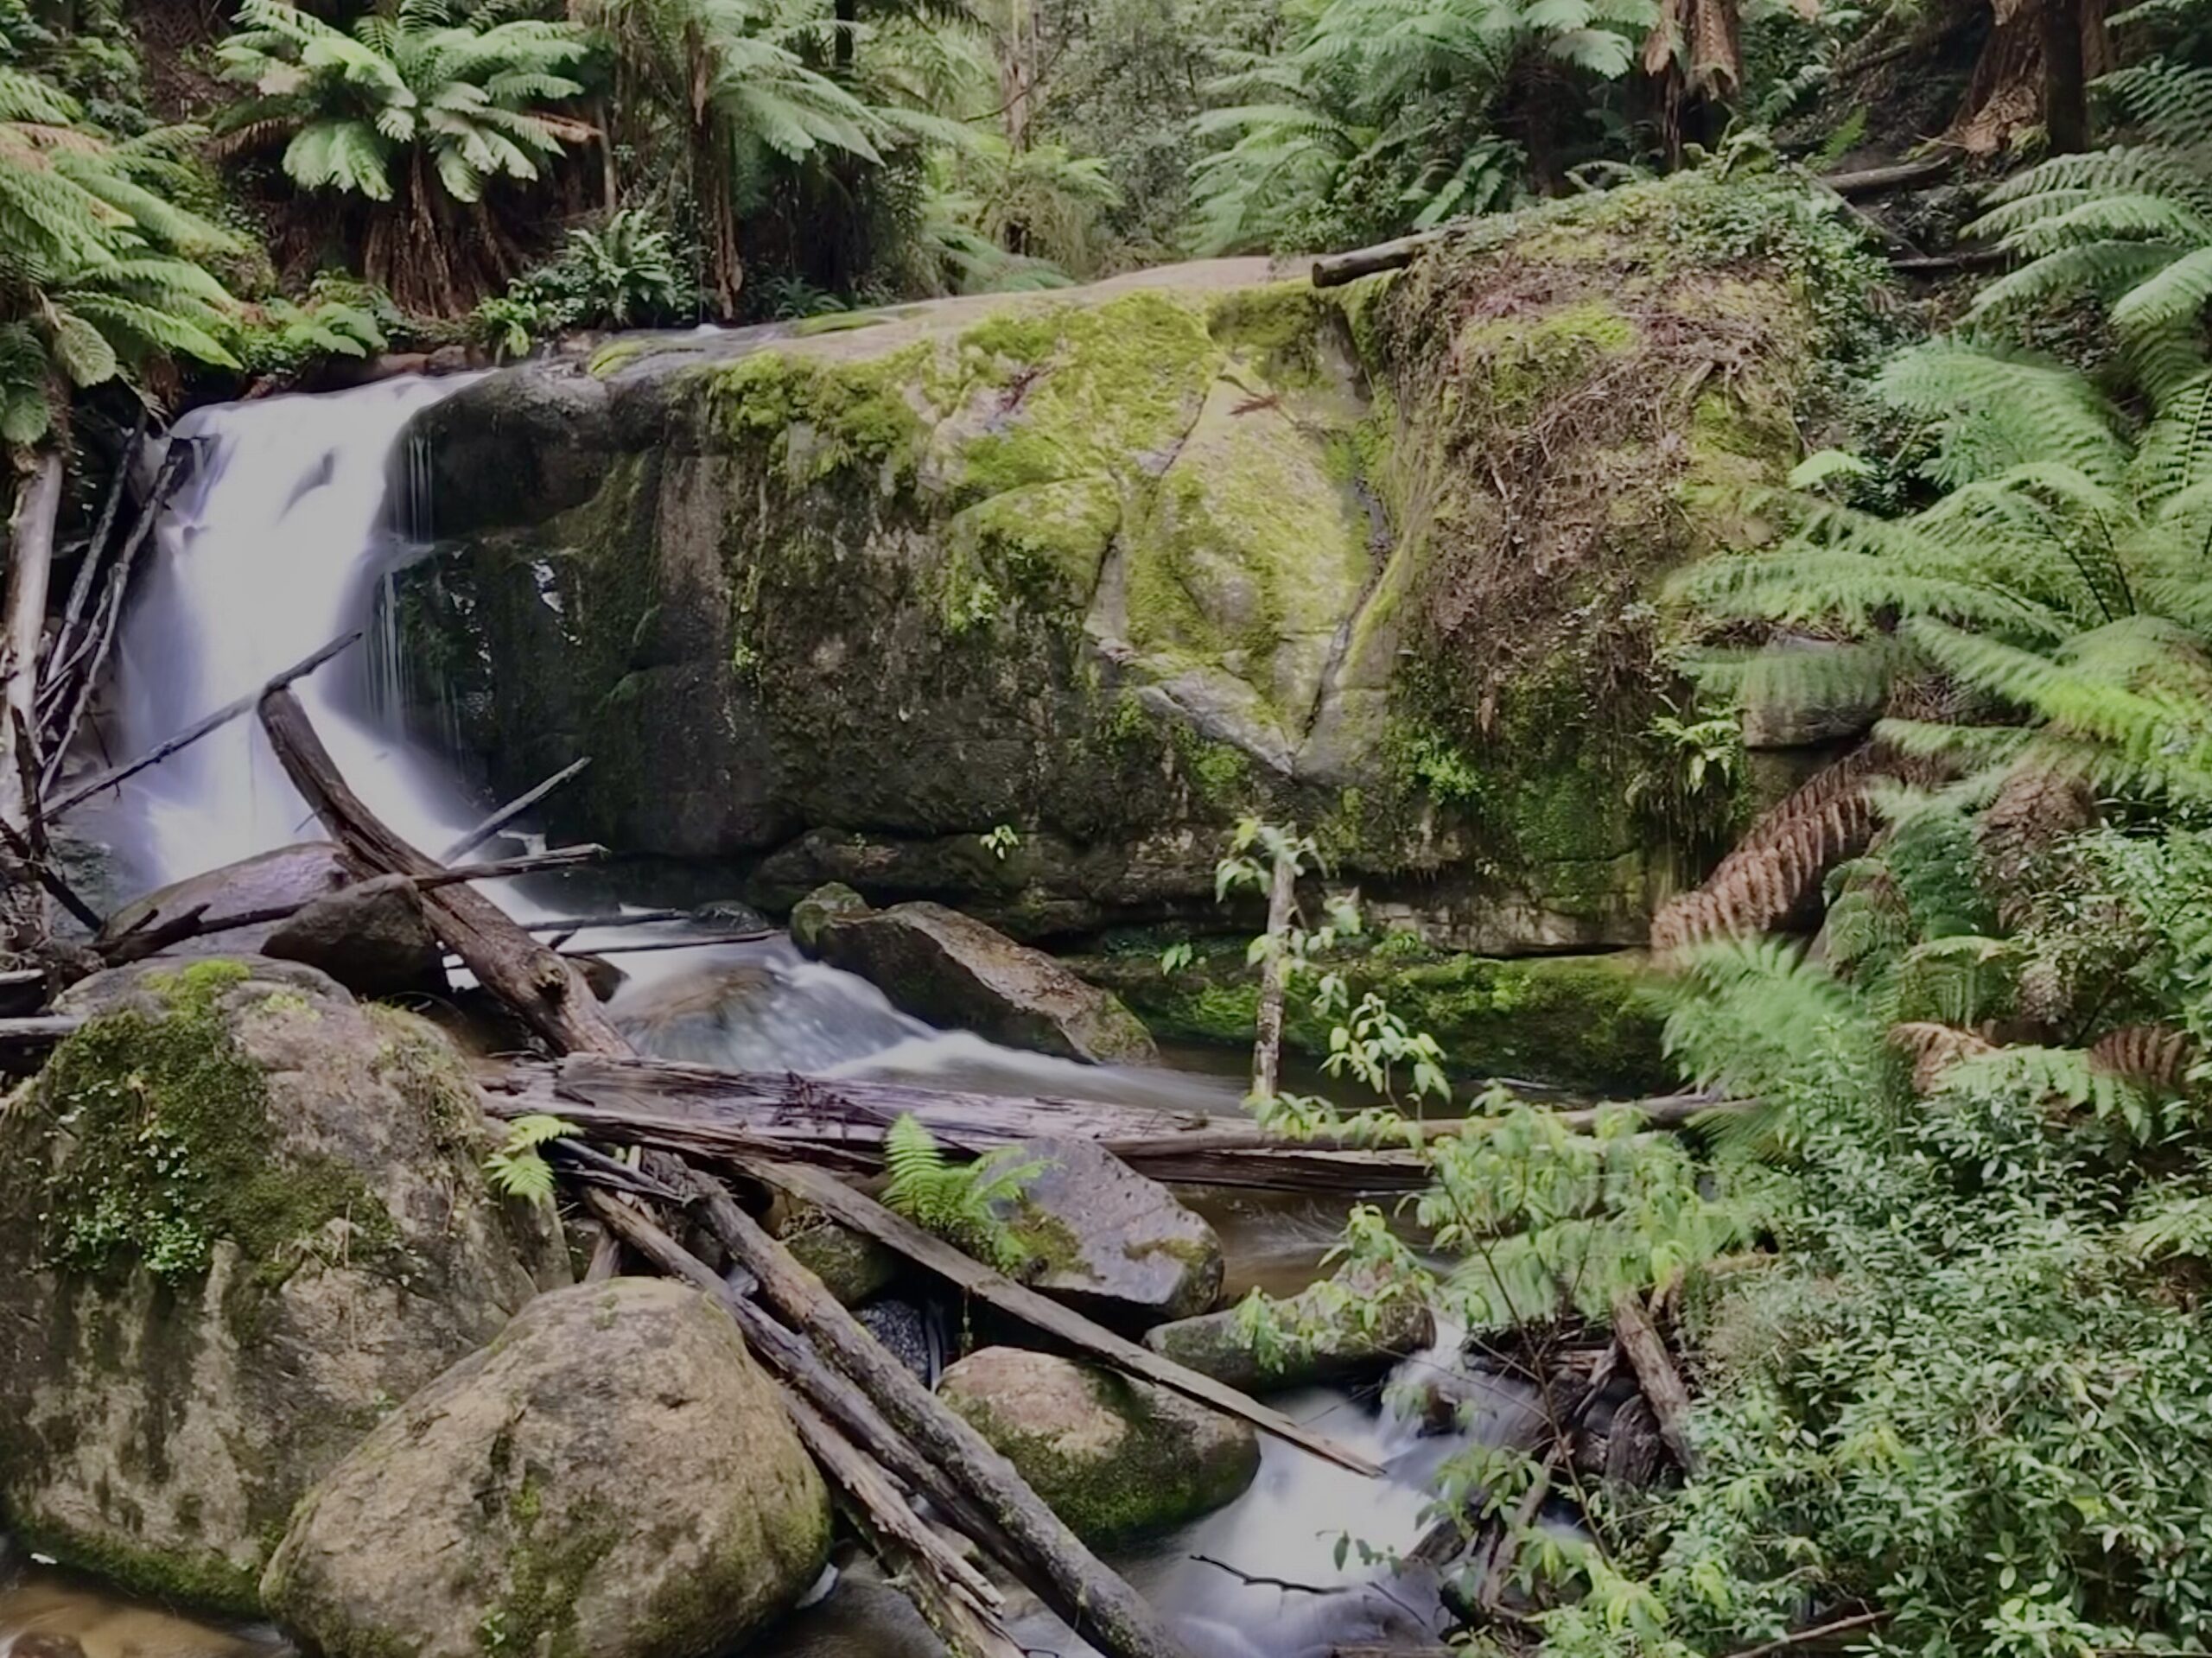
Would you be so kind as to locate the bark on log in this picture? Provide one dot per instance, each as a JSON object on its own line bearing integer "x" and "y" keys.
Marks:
{"x": 1874, "y": 181}
{"x": 1656, "y": 1375}
{"x": 80, "y": 590}
{"x": 30, "y": 561}
{"x": 1095, "y": 1602}
{"x": 697, "y": 1110}
{"x": 1334, "y": 269}
{"x": 841, "y": 1203}
{"x": 545, "y": 991}
{"x": 192, "y": 734}
{"x": 514, "y": 808}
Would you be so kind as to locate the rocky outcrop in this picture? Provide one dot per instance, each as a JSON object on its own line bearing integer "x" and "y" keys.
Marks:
{"x": 1113, "y": 1457}
{"x": 1115, "y": 1242}
{"x": 950, "y": 969}
{"x": 612, "y": 1477}
{"x": 1113, "y": 567}
{"x": 240, "y": 1218}
{"x": 1330, "y": 1332}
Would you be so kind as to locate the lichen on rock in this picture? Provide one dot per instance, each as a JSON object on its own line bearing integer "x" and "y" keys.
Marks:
{"x": 240, "y": 1217}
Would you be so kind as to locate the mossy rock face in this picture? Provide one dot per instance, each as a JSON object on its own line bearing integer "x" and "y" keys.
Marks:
{"x": 1117, "y": 1244}
{"x": 1116, "y": 566}
{"x": 612, "y": 1478}
{"x": 1114, "y": 1458}
{"x": 240, "y": 1218}
{"x": 1338, "y": 1328}
{"x": 1584, "y": 1021}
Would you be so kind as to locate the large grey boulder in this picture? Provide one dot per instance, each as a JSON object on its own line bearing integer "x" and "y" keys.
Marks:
{"x": 1115, "y": 1242}
{"x": 1114, "y": 1458}
{"x": 612, "y": 1478}
{"x": 240, "y": 1218}
{"x": 288, "y": 875}
{"x": 1334, "y": 1331}
{"x": 951, "y": 969}
{"x": 371, "y": 938}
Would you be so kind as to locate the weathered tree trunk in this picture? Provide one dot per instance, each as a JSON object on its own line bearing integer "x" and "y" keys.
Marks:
{"x": 547, "y": 992}
{"x": 1267, "y": 1045}
{"x": 1656, "y": 1375}
{"x": 22, "y": 908}
{"x": 2034, "y": 71}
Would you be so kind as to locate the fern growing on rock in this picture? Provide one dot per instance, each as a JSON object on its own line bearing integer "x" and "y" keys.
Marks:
{"x": 961, "y": 1202}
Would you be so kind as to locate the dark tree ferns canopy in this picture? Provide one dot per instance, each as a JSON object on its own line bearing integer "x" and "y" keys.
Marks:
{"x": 417, "y": 110}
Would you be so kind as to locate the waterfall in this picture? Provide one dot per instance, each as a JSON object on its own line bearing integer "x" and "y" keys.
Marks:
{"x": 274, "y": 544}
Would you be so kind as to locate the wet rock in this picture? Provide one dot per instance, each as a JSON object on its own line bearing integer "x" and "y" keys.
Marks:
{"x": 812, "y": 915}
{"x": 1333, "y": 1332}
{"x": 371, "y": 938}
{"x": 240, "y": 1217}
{"x": 852, "y": 1265}
{"x": 902, "y": 1329}
{"x": 291, "y": 874}
{"x": 1113, "y": 1457}
{"x": 951, "y": 969}
{"x": 612, "y": 1475}
{"x": 1115, "y": 1242}
{"x": 857, "y": 1619}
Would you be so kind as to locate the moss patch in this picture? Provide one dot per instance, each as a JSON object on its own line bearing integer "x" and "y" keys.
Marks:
{"x": 168, "y": 1145}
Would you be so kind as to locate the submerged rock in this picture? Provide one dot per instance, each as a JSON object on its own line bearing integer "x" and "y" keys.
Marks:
{"x": 240, "y": 1217}
{"x": 1114, "y": 1458}
{"x": 1115, "y": 1242}
{"x": 374, "y": 939}
{"x": 612, "y": 1478}
{"x": 951, "y": 969}
{"x": 1327, "y": 1333}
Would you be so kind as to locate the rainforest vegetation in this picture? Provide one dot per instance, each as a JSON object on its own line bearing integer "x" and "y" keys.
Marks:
{"x": 1940, "y": 1253}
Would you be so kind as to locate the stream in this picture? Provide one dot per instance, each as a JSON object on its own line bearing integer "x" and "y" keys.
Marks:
{"x": 283, "y": 536}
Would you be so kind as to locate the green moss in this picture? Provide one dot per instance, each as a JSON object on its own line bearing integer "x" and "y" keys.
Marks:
{"x": 1279, "y": 325}
{"x": 207, "y": 1580}
{"x": 820, "y": 414}
{"x": 169, "y": 1146}
{"x": 536, "y": 1615}
{"x": 1527, "y": 361}
{"x": 1582, "y": 1020}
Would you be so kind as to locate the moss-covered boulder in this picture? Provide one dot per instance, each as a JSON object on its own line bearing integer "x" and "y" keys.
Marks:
{"x": 952, "y": 970}
{"x": 1116, "y": 1243}
{"x": 1336, "y": 1329}
{"x": 241, "y": 1218}
{"x": 1113, "y": 1457}
{"x": 1110, "y": 567}
{"x": 612, "y": 1478}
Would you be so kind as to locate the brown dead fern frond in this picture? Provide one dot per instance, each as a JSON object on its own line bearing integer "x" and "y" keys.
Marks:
{"x": 2149, "y": 1055}
{"x": 1935, "y": 1049}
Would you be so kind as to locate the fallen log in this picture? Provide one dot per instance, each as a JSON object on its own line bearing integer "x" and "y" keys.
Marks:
{"x": 1064, "y": 1323}
{"x": 514, "y": 808}
{"x": 1876, "y": 181}
{"x": 60, "y": 658}
{"x": 548, "y": 993}
{"x": 841, "y": 1124}
{"x": 193, "y": 733}
{"x": 1656, "y": 1374}
{"x": 796, "y": 1362}
{"x": 1335, "y": 269}
{"x": 1090, "y": 1598}
{"x": 30, "y": 550}
{"x": 40, "y": 1030}
{"x": 152, "y": 934}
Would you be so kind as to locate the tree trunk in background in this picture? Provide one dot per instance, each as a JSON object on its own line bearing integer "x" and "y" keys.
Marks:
{"x": 23, "y": 907}
{"x": 1267, "y": 1048}
{"x": 2034, "y": 72}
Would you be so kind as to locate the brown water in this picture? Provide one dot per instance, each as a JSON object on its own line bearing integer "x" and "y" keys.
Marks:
{"x": 44, "y": 1613}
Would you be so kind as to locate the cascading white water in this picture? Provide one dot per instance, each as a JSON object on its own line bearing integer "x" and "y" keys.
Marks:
{"x": 271, "y": 549}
